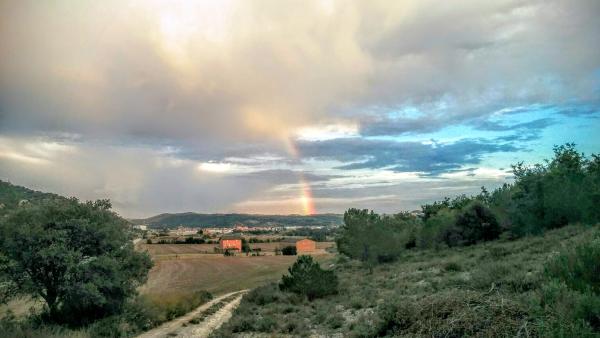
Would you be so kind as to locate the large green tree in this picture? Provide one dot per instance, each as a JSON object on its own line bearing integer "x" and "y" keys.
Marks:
{"x": 77, "y": 257}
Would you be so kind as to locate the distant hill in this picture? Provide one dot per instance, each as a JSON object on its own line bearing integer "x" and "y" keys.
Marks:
{"x": 12, "y": 195}
{"x": 229, "y": 220}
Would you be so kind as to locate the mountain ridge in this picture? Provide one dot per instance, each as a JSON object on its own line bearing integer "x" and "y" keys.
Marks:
{"x": 203, "y": 220}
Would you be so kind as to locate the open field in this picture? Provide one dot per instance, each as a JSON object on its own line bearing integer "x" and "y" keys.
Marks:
{"x": 184, "y": 249}
{"x": 216, "y": 273}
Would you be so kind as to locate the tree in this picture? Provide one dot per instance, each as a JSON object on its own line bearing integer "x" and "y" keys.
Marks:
{"x": 476, "y": 223}
{"x": 77, "y": 257}
{"x": 289, "y": 250}
{"x": 307, "y": 278}
{"x": 374, "y": 239}
{"x": 245, "y": 246}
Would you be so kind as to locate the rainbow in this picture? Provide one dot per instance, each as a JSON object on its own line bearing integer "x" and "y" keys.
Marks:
{"x": 306, "y": 197}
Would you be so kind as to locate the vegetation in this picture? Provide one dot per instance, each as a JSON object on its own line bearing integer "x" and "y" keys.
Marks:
{"x": 153, "y": 310}
{"x": 372, "y": 238}
{"x": 566, "y": 189}
{"x": 468, "y": 267}
{"x": 289, "y": 250}
{"x": 77, "y": 257}
{"x": 307, "y": 278}
{"x": 571, "y": 294}
{"x": 491, "y": 289}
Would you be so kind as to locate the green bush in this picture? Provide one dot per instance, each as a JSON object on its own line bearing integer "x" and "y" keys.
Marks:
{"x": 374, "y": 239}
{"x": 475, "y": 223}
{"x": 289, "y": 250}
{"x": 307, "y": 278}
{"x": 578, "y": 267}
{"x": 435, "y": 228}
{"x": 571, "y": 297}
{"x": 452, "y": 266}
{"x": 568, "y": 313}
{"x": 263, "y": 295}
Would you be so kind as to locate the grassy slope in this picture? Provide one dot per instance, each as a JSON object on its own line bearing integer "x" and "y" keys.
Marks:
{"x": 489, "y": 289}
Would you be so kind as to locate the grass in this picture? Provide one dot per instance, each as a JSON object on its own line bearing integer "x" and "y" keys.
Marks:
{"x": 489, "y": 290}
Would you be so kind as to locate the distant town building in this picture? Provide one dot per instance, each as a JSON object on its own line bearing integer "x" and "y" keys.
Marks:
{"x": 231, "y": 242}
{"x": 240, "y": 227}
{"x": 143, "y": 227}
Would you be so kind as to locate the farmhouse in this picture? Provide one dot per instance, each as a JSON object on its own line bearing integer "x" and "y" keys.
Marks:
{"x": 302, "y": 244}
{"x": 231, "y": 242}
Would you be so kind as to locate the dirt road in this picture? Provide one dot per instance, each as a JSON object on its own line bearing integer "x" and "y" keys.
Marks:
{"x": 184, "y": 327}
{"x": 212, "y": 322}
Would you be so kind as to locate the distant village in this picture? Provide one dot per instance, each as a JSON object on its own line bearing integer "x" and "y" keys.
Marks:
{"x": 238, "y": 239}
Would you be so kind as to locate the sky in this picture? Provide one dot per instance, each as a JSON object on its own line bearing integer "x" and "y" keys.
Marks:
{"x": 281, "y": 107}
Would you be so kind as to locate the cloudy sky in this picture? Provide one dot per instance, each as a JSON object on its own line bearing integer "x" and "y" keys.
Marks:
{"x": 290, "y": 106}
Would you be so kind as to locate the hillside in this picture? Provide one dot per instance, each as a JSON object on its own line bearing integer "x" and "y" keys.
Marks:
{"x": 228, "y": 220}
{"x": 495, "y": 289}
{"x": 11, "y": 195}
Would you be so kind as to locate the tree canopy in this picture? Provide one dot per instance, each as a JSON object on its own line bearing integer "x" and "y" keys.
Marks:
{"x": 77, "y": 257}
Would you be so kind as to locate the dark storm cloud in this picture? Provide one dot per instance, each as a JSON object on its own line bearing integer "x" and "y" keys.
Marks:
{"x": 534, "y": 125}
{"x": 430, "y": 159}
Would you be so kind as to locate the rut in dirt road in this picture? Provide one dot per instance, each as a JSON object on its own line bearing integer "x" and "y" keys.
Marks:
{"x": 201, "y": 321}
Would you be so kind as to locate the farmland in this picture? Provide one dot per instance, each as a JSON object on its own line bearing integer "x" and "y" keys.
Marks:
{"x": 158, "y": 250}
{"x": 180, "y": 268}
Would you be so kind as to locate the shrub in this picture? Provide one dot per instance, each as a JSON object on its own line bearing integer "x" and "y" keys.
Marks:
{"x": 373, "y": 239}
{"x": 578, "y": 268}
{"x": 289, "y": 251}
{"x": 149, "y": 311}
{"x": 476, "y": 223}
{"x": 568, "y": 313}
{"x": 452, "y": 266}
{"x": 263, "y": 295}
{"x": 437, "y": 225}
{"x": 307, "y": 278}
{"x": 571, "y": 298}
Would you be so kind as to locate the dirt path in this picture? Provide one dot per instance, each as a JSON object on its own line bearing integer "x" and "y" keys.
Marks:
{"x": 211, "y": 323}
{"x": 180, "y": 327}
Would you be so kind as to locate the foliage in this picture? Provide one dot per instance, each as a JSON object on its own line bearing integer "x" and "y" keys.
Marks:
{"x": 578, "y": 267}
{"x": 148, "y": 311}
{"x": 433, "y": 233}
{"x": 374, "y": 239}
{"x": 307, "y": 278}
{"x": 289, "y": 250}
{"x": 475, "y": 223}
{"x": 571, "y": 297}
{"x": 78, "y": 257}
{"x": 563, "y": 190}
